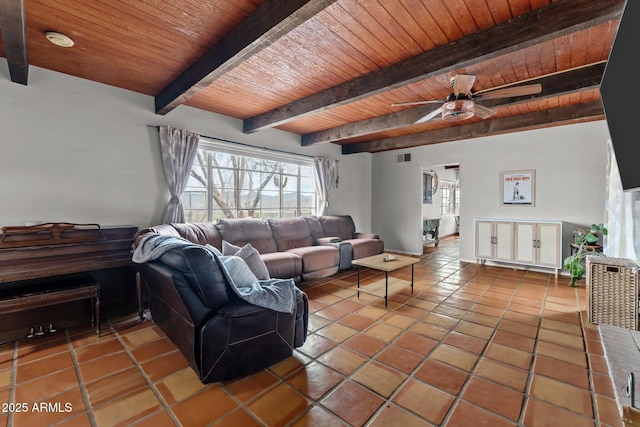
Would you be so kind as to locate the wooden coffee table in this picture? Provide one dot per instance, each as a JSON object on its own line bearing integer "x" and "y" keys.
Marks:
{"x": 382, "y": 287}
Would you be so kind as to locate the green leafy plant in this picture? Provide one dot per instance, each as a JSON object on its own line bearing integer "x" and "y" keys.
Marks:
{"x": 575, "y": 263}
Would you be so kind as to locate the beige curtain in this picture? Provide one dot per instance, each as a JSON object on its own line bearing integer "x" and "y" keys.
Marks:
{"x": 179, "y": 148}
{"x": 326, "y": 177}
{"x": 622, "y": 215}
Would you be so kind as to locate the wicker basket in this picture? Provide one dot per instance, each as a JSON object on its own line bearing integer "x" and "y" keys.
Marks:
{"x": 612, "y": 286}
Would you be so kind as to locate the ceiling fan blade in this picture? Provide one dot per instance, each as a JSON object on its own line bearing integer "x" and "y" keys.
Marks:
{"x": 403, "y": 104}
{"x": 483, "y": 112}
{"x": 429, "y": 116}
{"x": 509, "y": 92}
{"x": 462, "y": 84}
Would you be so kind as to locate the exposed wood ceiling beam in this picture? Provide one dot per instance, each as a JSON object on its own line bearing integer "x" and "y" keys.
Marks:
{"x": 272, "y": 20}
{"x": 536, "y": 120}
{"x": 14, "y": 37}
{"x": 544, "y": 24}
{"x": 553, "y": 85}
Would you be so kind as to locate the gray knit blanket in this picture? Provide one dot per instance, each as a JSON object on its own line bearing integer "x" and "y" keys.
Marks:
{"x": 275, "y": 294}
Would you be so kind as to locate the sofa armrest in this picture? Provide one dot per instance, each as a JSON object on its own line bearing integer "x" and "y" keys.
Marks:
{"x": 345, "y": 254}
{"x": 323, "y": 241}
{"x": 358, "y": 235}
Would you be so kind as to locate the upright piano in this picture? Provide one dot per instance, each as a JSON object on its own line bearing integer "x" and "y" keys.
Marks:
{"x": 56, "y": 256}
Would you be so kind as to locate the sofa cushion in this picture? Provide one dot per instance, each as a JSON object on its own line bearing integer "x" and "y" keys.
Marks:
{"x": 316, "y": 258}
{"x": 283, "y": 265}
{"x": 315, "y": 227}
{"x": 250, "y": 255}
{"x": 290, "y": 233}
{"x": 341, "y": 226}
{"x": 202, "y": 233}
{"x": 240, "y": 231}
{"x": 363, "y": 248}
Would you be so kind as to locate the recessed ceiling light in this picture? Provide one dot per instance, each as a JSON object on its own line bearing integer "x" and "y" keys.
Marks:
{"x": 59, "y": 39}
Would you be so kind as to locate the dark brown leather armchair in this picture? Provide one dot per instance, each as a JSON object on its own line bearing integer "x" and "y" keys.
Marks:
{"x": 222, "y": 336}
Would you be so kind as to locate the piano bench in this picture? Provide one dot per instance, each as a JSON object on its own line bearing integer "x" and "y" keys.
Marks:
{"x": 28, "y": 301}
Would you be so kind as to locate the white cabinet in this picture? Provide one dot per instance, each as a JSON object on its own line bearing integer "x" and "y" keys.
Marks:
{"x": 535, "y": 243}
{"x": 494, "y": 240}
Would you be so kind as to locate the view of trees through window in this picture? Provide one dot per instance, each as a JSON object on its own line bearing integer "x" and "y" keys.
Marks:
{"x": 224, "y": 185}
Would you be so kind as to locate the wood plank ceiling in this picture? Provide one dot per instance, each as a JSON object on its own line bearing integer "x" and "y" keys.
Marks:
{"x": 330, "y": 70}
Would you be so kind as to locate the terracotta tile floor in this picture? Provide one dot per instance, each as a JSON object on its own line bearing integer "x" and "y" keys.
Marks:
{"x": 472, "y": 345}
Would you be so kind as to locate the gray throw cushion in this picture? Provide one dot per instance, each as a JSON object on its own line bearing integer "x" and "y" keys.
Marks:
{"x": 239, "y": 271}
{"x": 250, "y": 255}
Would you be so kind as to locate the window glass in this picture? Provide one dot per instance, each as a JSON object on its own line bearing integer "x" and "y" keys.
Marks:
{"x": 230, "y": 185}
{"x": 449, "y": 197}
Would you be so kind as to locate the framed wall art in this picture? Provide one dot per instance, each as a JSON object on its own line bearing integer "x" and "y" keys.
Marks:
{"x": 518, "y": 188}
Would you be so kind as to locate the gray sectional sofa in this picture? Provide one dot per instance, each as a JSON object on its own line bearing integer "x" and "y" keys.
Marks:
{"x": 303, "y": 248}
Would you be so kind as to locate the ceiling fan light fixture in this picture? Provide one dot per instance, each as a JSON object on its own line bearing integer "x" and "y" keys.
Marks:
{"x": 59, "y": 39}
{"x": 457, "y": 110}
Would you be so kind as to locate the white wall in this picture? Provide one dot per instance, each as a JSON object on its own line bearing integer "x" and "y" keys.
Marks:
{"x": 77, "y": 151}
{"x": 570, "y": 164}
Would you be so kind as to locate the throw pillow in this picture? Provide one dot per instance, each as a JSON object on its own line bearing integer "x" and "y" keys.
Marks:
{"x": 250, "y": 255}
{"x": 239, "y": 271}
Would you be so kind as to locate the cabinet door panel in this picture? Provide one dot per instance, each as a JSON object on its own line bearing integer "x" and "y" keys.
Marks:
{"x": 484, "y": 242}
{"x": 525, "y": 235}
{"x": 504, "y": 241}
{"x": 549, "y": 242}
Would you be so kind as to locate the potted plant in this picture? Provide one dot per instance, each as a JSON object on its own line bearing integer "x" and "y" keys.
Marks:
{"x": 584, "y": 239}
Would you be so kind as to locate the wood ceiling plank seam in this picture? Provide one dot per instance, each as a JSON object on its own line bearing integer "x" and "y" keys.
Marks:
{"x": 519, "y": 7}
{"x": 364, "y": 40}
{"x": 404, "y": 27}
{"x": 480, "y": 13}
{"x": 445, "y": 21}
{"x": 578, "y": 52}
{"x": 562, "y": 49}
{"x": 535, "y": 4}
{"x": 329, "y": 58}
{"x": 519, "y": 66}
{"x": 339, "y": 50}
{"x": 384, "y": 34}
{"x": 403, "y": 17}
{"x": 201, "y": 19}
{"x": 600, "y": 41}
{"x": 463, "y": 17}
{"x": 559, "y": 19}
{"x": 500, "y": 10}
{"x": 288, "y": 75}
{"x": 271, "y": 21}
{"x": 326, "y": 51}
{"x": 426, "y": 20}
{"x": 346, "y": 35}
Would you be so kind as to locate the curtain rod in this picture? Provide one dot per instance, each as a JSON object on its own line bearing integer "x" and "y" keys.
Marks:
{"x": 248, "y": 145}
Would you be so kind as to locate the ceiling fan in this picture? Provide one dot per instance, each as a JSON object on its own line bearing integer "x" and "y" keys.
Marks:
{"x": 460, "y": 104}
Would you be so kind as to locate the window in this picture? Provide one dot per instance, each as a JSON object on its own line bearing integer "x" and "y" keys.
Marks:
{"x": 450, "y": 197}
{"x": 226, "y": 182}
